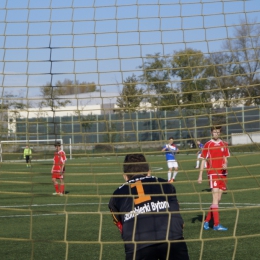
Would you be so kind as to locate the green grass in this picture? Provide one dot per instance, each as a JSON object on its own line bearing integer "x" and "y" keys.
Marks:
{"x": 37, "y": 225}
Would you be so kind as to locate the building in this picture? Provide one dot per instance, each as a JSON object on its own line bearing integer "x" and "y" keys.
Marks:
{"x": 92, "y": 103}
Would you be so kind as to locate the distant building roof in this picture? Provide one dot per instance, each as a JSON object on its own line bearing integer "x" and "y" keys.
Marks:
{"x": 83, "y": 99}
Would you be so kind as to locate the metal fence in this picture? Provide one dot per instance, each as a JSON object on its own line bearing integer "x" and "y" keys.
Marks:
{"x": 183, "y": 125}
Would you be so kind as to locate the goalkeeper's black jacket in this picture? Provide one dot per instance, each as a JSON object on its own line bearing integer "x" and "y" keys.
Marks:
{"x": 152, "y": 204}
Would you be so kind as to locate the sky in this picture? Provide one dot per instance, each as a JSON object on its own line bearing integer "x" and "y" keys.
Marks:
{"x": 105, "y": 41}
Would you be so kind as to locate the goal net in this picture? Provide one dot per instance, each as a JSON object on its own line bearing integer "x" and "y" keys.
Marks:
{"x": 109, "y": 78}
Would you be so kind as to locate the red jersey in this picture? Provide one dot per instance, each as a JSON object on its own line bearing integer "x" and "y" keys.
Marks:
{"x": 215, "y": 152}
{"x": 62, "y": 155}
{"x": 58, "y": 162}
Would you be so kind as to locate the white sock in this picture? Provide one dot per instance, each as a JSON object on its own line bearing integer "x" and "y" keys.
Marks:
{"x": 169, "y": 175}
{"x": 198, "y": 164}
{"x": 174, "y": 174}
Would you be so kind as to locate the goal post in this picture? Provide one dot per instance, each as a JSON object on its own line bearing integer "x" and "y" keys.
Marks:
{"x": 12, "y": 146}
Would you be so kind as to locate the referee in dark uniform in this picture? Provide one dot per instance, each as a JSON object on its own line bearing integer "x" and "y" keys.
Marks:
{"x": 149, "y": 214}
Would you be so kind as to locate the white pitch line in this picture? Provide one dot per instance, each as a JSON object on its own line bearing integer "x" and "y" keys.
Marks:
{"x": 39, "y": 176}
{"x": 226, "y": 203}
{"x": 157, "y": 168}
{"x": 34, "y": 215}
{"x": 95, "y": 203}
{"x": 46, "y": 205}
{"x": 62, "y": 214}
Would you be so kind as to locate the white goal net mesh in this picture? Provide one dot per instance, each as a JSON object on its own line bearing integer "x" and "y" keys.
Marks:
{"x": 114, "y": 77}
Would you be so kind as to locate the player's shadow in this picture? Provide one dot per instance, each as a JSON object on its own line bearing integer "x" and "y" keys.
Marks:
{"x": 200, "y": 219}
{"x": 207, "y": 190}
{"x": 66, "y": 192}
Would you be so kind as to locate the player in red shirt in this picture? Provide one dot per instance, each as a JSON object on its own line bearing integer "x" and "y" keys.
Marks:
{"x": 58, "y": 169}
{"x": 215, "y": 152}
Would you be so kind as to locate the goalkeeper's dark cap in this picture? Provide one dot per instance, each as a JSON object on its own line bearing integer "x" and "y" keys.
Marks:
{"x": 57, "y": 143}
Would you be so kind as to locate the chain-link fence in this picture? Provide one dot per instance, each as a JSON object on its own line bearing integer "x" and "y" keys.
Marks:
{"x": 184, "y": 126}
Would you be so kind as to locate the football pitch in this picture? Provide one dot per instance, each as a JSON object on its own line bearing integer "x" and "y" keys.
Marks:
{"x": 37, "y": 225}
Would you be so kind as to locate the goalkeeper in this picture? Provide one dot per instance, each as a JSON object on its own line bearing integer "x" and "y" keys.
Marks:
{"x": 27, "y": 155}
{"x": 145, "y": 208}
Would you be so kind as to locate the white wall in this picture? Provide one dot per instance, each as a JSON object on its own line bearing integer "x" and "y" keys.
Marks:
{"x": 249, "y": 138}
{"x": 61, "y": 111}
{"x": 47, "y": 112}
{"x": 94, "y": 109}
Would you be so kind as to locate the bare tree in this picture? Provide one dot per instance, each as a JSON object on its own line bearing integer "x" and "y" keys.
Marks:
{"x": 245, "y": 50}
{"x": 70, "y": 87}
{"x": 10, "y": 108}
{"x": 131, "y": 96}
{"x": 157, "y": 79}
{"x": 191, "y": 67}
{"x": 52, "y": 95}
{"x": 225, "y": 77}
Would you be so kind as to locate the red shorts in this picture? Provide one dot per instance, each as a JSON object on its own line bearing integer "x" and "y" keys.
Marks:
{"x": 57, "y": 175}
{"x": 216, "y": 181}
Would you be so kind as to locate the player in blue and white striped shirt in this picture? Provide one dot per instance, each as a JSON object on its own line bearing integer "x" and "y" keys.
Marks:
{"x": 170, "y": 150}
